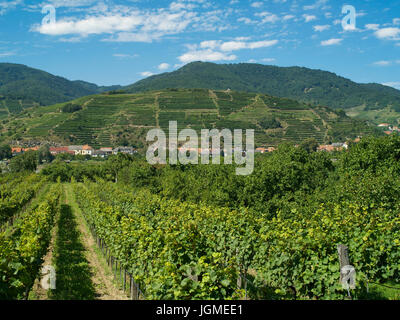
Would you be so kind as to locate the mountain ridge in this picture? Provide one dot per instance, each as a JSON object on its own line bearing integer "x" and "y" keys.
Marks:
{"x": 22, "y": 87}
{"x": 306, "y": 85}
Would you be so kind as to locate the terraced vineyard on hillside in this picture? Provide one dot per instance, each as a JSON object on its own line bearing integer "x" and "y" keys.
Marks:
{"x": 109, "y": 120}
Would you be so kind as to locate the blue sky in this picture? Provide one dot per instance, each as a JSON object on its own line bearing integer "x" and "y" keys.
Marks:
{"x": 120, "y": 42}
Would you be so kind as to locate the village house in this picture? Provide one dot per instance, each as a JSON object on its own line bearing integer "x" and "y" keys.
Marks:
{"x": 261, "y": 150}
{"x": 340, "y": 145}
{"x": 327, "y": 148}
{"x": 265, "y": 150}
{"x": 59, "y": 150}
{"x": 333, "y": 147}
{"x": 107, "y": 151}
{"x": 18, "y": 150}
{"x": 76, "y": 149}
{"x": 125, "y": 150}
{"x": 99, "y": 154}
{"x": 87, "y": 150}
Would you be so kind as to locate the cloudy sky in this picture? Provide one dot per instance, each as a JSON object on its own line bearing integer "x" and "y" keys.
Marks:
{"x": 120, "y": 42}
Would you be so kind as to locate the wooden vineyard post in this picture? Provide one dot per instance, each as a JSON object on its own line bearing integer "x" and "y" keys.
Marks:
{"x": 124, "y": 280}
{"x": 131, "y": 278}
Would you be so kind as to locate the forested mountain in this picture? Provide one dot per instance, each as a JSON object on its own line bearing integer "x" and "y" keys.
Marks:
{"x": 302, "y": 84}
{"x": 22, "y": 87}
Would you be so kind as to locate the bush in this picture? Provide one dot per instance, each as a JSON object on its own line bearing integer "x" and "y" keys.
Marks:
{"x": 71, "y": 108}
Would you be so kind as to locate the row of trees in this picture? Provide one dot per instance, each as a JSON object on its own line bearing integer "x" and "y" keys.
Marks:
{"x": 280, "y": 179}
{"x": 29, "y": 161}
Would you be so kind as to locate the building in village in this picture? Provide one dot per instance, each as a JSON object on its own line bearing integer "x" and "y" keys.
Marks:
{"x": 107, "y": 151}
{"x": 76, "y": 149}
{"x": 18, "y": 150}
{"x": 124, "y": 150}
{"x": 87, "y": 150}
{"x": 59, "y": 150}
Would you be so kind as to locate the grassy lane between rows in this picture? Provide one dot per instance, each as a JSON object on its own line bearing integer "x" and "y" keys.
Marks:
{"x": 69, "y": 258}
{"x": 82, "y": 272}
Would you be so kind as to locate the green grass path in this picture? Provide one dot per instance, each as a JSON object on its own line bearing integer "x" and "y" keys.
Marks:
{"x": 73, "y": 270}
{"x": 82, "y": 273}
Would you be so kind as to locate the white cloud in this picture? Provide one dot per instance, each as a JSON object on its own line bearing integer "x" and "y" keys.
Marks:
{"x": 321, "y": 28}
{"x": 331, "y": 42}
{"x": 134, "y": 37}
{"x": 309, "y": 18}
{"x": 316, "y": 5}
{"x": 267, "y": 17}
{"x": 385, "y": 63}
{"x": 230, "y": 46}
{"x": 217, "y": 50}
{"x": 372, "y": 26}
{"x": 261, "y": 44}
{"x": 128, "y": 24}
{"x": 8, "y": 5}
{"x": 257, "y": 4}
{"x": 388, "y": 33}
{"x": 161, "y": 23}
{"x": 146, "y": 74}
{"x": 124, "y": 55}
{"x": 68, "y": 3}
{"x": 288, "y": 17}
{"x": 395, "y": 85}
{"x": 382, "y": 63}
{"x": 268, "y": 60}
{"x": 163, "y": 66}
{"x": 246, "y": 20}
{"x": 206, "y": 55}
{"x": 6, "y": 54}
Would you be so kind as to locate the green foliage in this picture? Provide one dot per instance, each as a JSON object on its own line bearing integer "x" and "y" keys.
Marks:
{"x": 16, "y": 190}
{"x": 298, "y": 206}
{"x": 21, "y": 253}
{"x": 5, "y": 152}
{"x": 27, "y": 161}
{"x": 78, "y": 171}
{"x": 182, "y": 251}
{"x": 71, "y": 108}
{"x": 270, "y": 123}
{"x": 310, "y": 145}
{"x": 44, "y": 155}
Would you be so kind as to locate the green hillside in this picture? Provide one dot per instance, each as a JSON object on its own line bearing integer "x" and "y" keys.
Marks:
{"x": 115, "y": 119}
{"x": 302, "y": 84}
{"x": 22, "y": 87}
